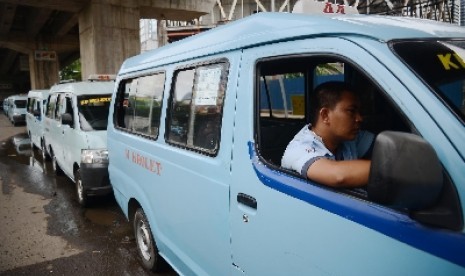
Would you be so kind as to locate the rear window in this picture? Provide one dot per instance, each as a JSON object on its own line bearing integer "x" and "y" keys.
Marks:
{"x": 441, "y": 65}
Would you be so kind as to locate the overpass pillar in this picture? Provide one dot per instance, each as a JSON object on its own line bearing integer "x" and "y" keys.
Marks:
{"x": 108, "y": 34}
{"x": 44, "y": 69}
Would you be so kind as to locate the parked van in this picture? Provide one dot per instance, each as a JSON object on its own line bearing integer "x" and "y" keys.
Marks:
{"x": 17, "y": 109}
{"x": 36, "y": 103}
{"x": 6, "y": 102}
{"x": 197, "y": 130}
{"x": 75, "y": 133}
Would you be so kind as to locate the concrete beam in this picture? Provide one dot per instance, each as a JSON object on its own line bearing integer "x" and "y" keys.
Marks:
{"x": 7, "y": 14}
{"x": 68, "y": 25}
{"x": 8, "y": 61}
{"x": 37, "y": 21}
{"x": 23, "y": 41}
{"x": 60, "y": 5}
{"x": 182, "y": 10}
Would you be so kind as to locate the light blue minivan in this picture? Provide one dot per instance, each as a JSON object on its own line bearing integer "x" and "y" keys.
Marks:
{"x": 75, "y": 134}
{"x": 197, "y": 130}
{"x": 36, "y": 103}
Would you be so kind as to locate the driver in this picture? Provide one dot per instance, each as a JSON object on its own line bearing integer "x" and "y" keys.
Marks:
{"x": 330, "y": 150}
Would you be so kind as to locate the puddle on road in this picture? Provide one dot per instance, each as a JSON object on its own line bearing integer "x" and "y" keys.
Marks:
{"x": 19, "y": 148}
{"x": 101, "y": 217}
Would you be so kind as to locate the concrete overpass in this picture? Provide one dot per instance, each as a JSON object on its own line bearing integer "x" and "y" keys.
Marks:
{"x": 37, "y": 38}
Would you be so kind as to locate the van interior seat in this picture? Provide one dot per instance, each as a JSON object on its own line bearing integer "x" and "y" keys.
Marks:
{"x": 275, "y": 135}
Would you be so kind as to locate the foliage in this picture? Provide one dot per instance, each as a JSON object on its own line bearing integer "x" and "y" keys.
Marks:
{"x": 72, "y": 71}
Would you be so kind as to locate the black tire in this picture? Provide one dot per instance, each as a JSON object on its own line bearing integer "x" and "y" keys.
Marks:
{"x": 45, "y": 155}
{"x": 146, "y": 246}
{"x": 33, "y": 147}
{"x": 55, "y": 166}
{"x": 81, "y": 194}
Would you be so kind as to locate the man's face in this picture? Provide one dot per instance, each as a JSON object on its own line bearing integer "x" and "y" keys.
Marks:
{"x": 345, "y": 119}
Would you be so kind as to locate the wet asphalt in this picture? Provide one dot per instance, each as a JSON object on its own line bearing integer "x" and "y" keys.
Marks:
{"x": 44, "y": 231}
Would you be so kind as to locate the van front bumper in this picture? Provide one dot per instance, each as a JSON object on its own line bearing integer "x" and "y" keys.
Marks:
{"x": 19, "y": 118}
{"x": 95, "y": 179}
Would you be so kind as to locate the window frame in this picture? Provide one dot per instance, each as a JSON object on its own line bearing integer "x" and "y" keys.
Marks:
{"x": 119, "y": 117}
{"x": 312, "y": 60}
{"x": 224, "y": 78}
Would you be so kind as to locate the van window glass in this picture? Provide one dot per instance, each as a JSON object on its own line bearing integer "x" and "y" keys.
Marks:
{"x": 69, "y": 108}
{"x": 21, "y": 103}
{"x": 30, "y": 105}
{"x": 60, "y": 107}
{"x": 93, "y": 111}
{"x": 38, "y": 107}
{"x": 282, "y": 95}
{"x": 138, "y": 104}
{"x": 180, "y": 108}
{"x": 147, "y": 104}
{"x": 51, "y": 105}
{"x": 196, "y": 108}
{"x": 286, "y": 84}
{"x": 441, "y": 65}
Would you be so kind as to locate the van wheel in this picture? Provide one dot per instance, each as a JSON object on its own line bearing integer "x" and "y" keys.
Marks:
{"x": 81, "y": 193}
{"x": 55, "y": 166}
{"x": 45, "y": 155}
{"x": 146, "y": 247}
{"x": 32, "y": 148}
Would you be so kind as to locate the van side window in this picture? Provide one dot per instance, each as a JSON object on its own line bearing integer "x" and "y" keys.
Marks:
{"x": 30, "y": 105}
{"x": 196, "y": 107}
{"x": 60, "y": 109}
{"x": 138, "y": 104}
{"x": 51, "y": 106}
{"x": 69, "y": 107}
{"x": 284, "y": 88}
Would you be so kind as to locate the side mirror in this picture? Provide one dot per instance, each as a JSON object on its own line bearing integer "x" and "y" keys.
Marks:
{"x": 67, "y": 119}
{"x": 405, "y": 172}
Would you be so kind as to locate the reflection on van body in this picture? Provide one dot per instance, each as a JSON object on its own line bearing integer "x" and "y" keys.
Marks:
{"x": 195, "y": 153}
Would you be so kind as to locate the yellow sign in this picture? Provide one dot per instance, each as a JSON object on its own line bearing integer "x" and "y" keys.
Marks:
{"x": 95, "y": 100}
{"x": 298, "y": 104}
{"x": 451, "y": 61}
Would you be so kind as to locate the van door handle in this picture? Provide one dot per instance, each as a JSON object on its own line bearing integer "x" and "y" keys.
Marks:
{"x": 247, "y": 200}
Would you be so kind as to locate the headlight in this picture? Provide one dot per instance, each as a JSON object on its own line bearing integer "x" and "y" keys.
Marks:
{"x": 94, "y": 156}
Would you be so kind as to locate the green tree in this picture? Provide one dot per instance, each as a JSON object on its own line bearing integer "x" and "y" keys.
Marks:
{"x": 72, "y": 71}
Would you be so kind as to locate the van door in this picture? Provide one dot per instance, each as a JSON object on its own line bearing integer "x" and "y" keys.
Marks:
{"x": 57, "y": 130}
{"x": 71, "y": 137}
{"x": 284, "y": 224}
{"x": 180, "y": 176}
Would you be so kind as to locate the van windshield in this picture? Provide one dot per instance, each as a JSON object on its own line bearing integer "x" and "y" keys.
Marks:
{"x": 20, "y": 103}
{"x": 441, "y": 65}
{"x": 93, "y": 111}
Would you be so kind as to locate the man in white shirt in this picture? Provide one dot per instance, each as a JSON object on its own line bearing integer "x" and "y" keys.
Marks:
{"x": 330, "y": 148}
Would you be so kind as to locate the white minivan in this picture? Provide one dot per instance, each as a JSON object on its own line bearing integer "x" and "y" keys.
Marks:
{"x": 36, "y": 102}
{"x": 197, "y": 130}
{"x": 76, "y": 133}
{"x": 17, "y": 109}
{"x": 5, "y": 103}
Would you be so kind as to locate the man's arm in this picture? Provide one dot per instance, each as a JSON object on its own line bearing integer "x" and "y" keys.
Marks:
{"x": 340, "y": 174}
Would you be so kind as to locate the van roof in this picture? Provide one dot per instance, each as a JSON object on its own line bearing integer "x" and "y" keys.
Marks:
{"x": 18, "y": 97}
{"x": 42, "y": 93}
{"x": 85, "y": 87}
{"x": 273, "y": 27}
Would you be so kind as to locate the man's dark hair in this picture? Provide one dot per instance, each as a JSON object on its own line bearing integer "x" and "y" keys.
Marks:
{"x": 327, "y": 94}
